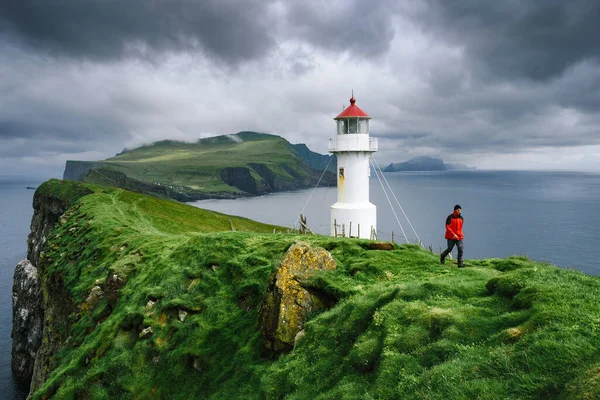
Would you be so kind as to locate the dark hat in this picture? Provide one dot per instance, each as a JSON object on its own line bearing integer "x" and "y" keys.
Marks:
{"x": 456, "y": 207}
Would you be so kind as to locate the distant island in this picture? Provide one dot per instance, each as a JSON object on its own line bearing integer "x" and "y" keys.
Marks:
{"x": 425, "y": 164}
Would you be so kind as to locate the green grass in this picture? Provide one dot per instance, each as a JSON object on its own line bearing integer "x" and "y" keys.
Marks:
{"x": 404, "y": 326}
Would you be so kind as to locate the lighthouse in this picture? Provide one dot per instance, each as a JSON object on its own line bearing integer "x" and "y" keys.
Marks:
{"x": 353, "y": 215}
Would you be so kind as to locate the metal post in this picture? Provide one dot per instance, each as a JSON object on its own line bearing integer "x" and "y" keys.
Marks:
{"x": 302, "y": 224}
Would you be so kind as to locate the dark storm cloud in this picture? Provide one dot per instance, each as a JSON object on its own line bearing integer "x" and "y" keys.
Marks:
{"x": 537, "y": 39}
{"x": 360, "y": 27}
{"x": 54, "y": 136}
{"x": 60, "y": 127}
{"x": 109, "y": 29}
{"x": 16, "y": 129}
{"x": 451, "y": 78}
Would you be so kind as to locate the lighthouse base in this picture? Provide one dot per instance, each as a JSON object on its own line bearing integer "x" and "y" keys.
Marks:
{"x": 353, "y": 219}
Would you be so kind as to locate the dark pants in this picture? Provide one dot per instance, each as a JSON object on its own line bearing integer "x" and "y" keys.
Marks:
{"x": 459, "y": 245}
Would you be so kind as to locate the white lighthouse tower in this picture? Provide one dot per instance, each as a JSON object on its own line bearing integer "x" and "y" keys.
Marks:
{"x": 353, "y": 215}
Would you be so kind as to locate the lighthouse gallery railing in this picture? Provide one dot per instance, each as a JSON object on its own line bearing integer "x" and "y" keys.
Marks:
{"x": 353, "y": 142}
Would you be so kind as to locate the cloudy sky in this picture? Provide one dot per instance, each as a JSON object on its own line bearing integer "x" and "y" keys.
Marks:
{"x": 493, "y": 84}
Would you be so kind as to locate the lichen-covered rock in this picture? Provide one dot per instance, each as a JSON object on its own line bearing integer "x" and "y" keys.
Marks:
{"x": 96, "y": 294}
{"x": 150, "y": 305}
{"x": 182, "y": 314}
{"x": 27, "y": 319}
{"x": 286, "y": 305}
{"x": 113, "y": 284}
{"x": 299, "y": 336}
{"x": 146, "y": 332}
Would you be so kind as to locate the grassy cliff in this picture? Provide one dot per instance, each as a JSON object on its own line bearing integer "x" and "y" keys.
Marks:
{"x": 403, "y": 326}
{"x": 243, "y": 164}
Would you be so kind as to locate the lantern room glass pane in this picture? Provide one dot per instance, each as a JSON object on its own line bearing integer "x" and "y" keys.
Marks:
{"x": 353, "y": 126}
{"x": 342, "y": 126}
{"x": 363, "y": 126}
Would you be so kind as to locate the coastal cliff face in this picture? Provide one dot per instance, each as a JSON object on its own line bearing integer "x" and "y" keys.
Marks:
{"x": 77, "y": 170}
{"x": 257, "y": 179}
{"x": 29, "y": 308}
{"x": 27, "y": 319}
{"x": 47, "y": 209}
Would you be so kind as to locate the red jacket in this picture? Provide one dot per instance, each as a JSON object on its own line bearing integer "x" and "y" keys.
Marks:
{"x": 454, "y": 224}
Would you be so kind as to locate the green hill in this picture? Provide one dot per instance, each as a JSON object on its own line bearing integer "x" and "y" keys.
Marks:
{"x": 401, "y": 325}
{"x": 228, "y": 166}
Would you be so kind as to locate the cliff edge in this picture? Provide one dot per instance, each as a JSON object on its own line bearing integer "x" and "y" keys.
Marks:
{"x": 149, "y": 298}
{"x": 50, "y": 202}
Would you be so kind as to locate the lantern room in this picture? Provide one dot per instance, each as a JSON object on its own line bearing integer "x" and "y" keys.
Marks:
{"x": 352, "y": 120}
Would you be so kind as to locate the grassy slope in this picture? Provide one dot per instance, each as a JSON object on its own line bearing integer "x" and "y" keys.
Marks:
{"x": 404, "y": 327}
{"x": 197, "y": 165}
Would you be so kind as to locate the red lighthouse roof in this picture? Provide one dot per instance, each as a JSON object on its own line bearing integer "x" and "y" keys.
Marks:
{"x": 353, "y": 111}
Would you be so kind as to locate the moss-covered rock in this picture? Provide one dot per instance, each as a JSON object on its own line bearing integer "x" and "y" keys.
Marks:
{"x": 287, "y": 304}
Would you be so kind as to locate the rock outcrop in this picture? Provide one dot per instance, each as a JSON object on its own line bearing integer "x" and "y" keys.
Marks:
{"x": 273, "y": 181}
{"x": 287, "y": 303}
{"x": 27, "y": 319}
{"x": 241, "y": 178}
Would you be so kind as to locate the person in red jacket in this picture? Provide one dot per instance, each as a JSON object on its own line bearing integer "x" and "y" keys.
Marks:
{"x": 454, "y": 235}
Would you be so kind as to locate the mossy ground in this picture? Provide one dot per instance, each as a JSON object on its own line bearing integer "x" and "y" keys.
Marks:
{"x": 404, "y": 326}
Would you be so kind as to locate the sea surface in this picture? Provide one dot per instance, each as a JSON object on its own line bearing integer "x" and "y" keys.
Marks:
{"x": 15, "y": 217}
{"x": 548, "y": 216}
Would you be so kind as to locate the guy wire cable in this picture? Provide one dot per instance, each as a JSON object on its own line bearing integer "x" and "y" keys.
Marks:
{"x": 389, "y": 201}
{"x": 399, "y": 205}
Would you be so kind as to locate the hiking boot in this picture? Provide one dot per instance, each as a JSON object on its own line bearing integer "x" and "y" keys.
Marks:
{"x": 442, "y": 259}
{"x": 461, "y": 265}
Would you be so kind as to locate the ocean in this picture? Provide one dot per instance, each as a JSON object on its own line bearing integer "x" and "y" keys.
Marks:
{"x": 15, "y": 216}
{"x": 548, "y": 216}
